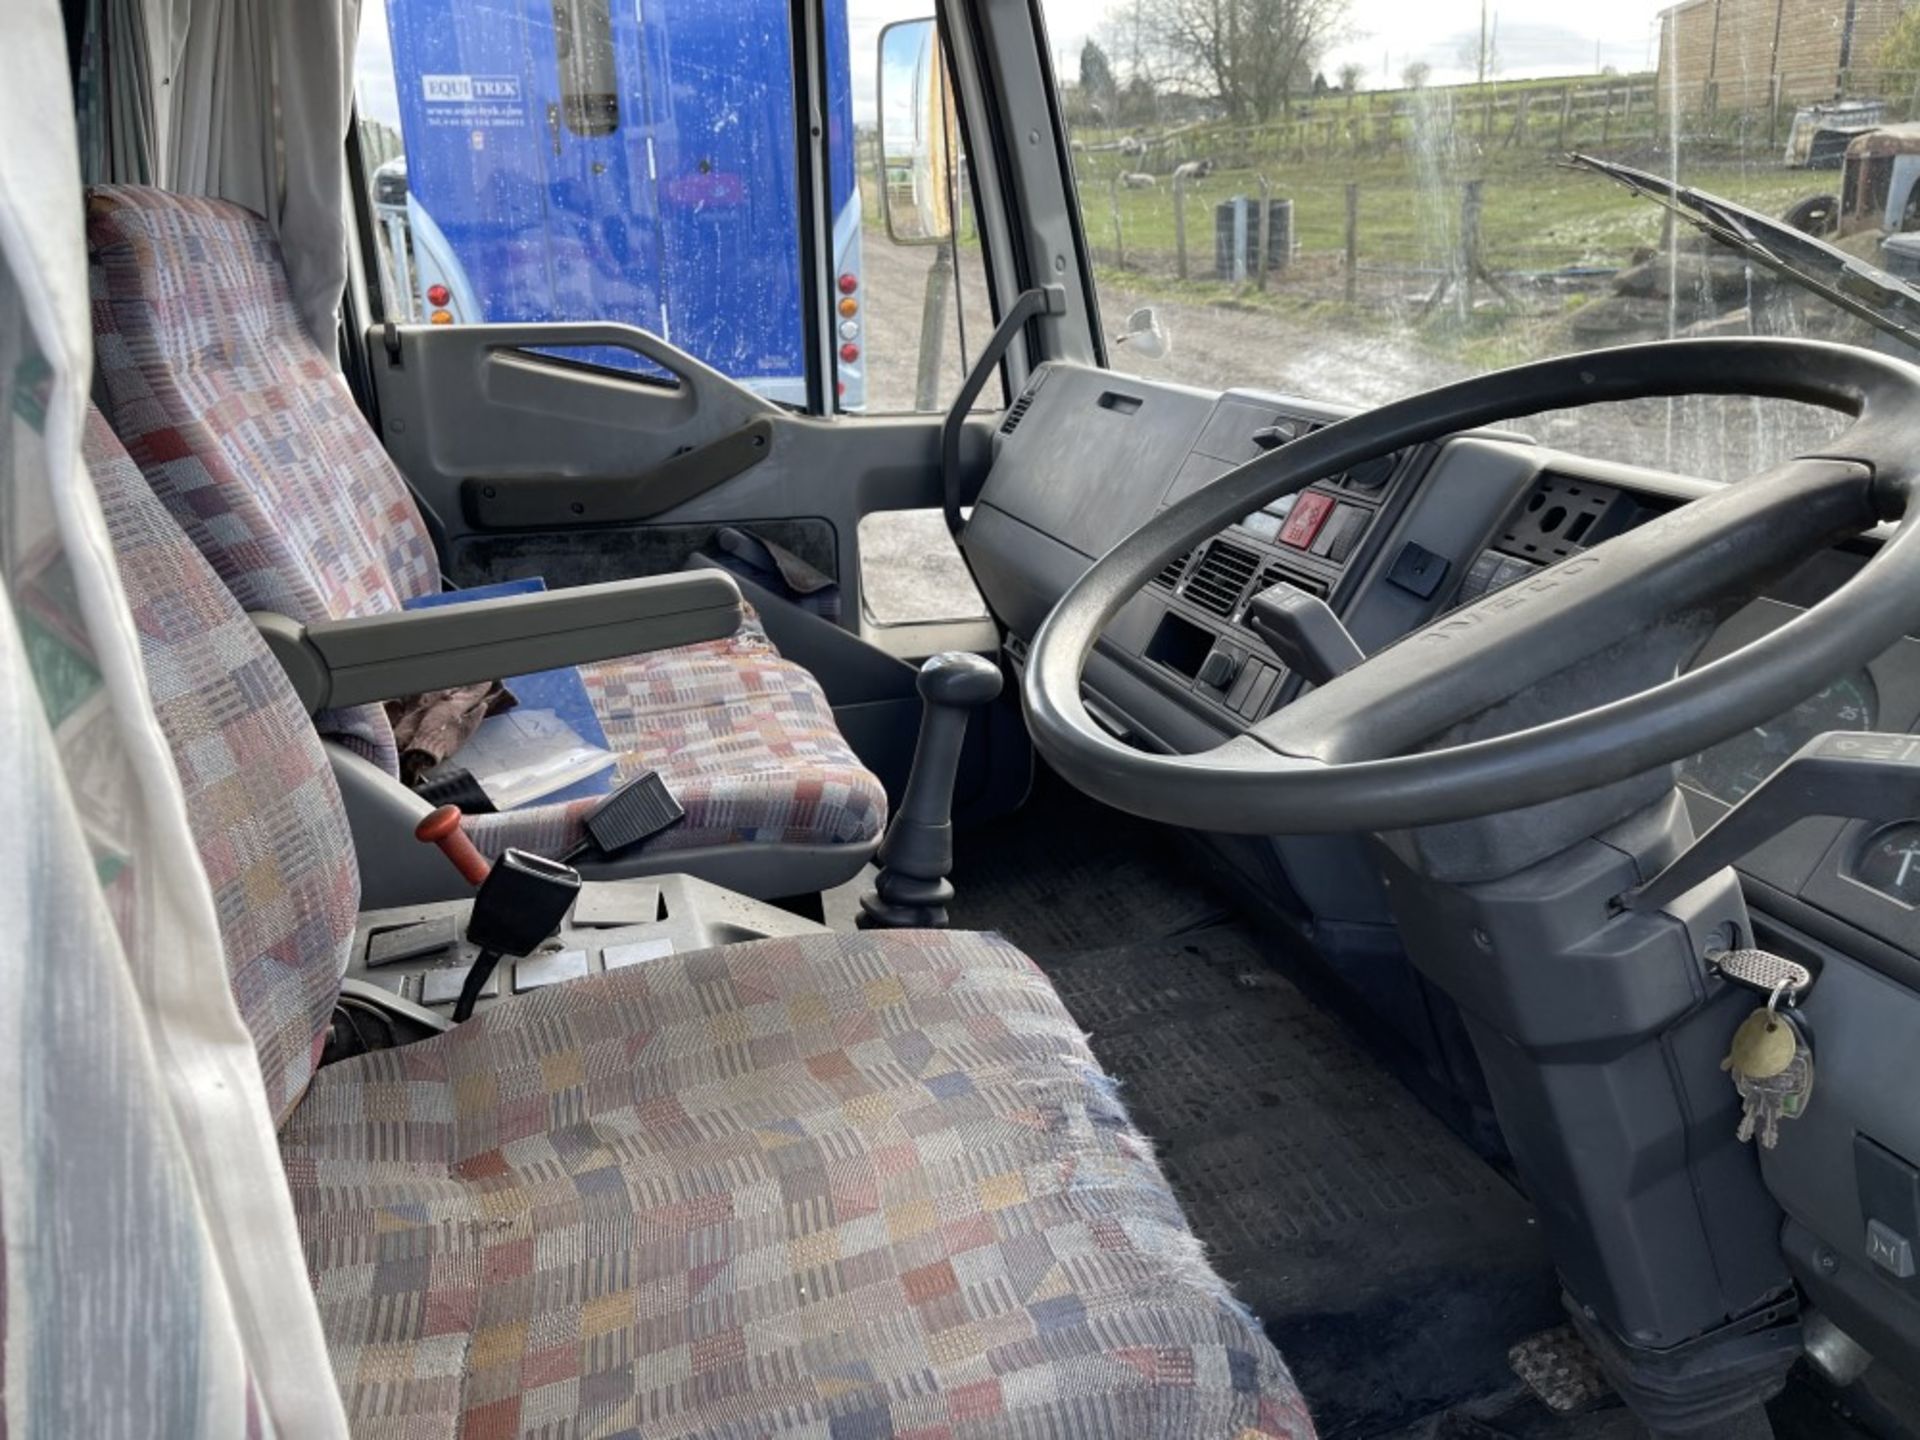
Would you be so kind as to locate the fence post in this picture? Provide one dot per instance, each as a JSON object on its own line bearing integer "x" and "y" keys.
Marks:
{"x": 1353, "y": 240}
{"x": 1180, "y": 225}
{"x": 1469, "y": 243}
{"x": 1265, "y": 233}
{"x": 1237, "y": 271}
{"x": 1773, "y": 112}
{"x": 1566, "y": 114}
{"x": 1606, "y": 119}
{"x": 1113, "y": 203}
{"x": 1517, "y": 132}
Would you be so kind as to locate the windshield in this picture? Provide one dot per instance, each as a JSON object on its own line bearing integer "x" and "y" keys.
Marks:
{"x": 1359, "y": 199}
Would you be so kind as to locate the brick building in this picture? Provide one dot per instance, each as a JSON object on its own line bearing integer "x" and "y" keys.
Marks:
{"x": 1731, "y": 54}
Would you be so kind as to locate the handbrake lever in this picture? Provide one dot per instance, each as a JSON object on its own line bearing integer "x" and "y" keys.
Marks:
{"x": 1846, "y": 774}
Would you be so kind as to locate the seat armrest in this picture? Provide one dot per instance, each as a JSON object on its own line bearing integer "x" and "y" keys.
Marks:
{"x": 383, "y": 657}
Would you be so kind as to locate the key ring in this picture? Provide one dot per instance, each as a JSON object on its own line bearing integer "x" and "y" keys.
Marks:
{"x": 1779, "y": 992}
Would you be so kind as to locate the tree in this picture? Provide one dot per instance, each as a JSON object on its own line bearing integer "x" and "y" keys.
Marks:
{"x": 1251, "y": 55}
{"x": 1481, "y": 53}
{"x": 1900, "y": 48}
{"x": 1350, "y": 76}
{"x": 1097, "y": 85}
{"x": 1414, "y": 76}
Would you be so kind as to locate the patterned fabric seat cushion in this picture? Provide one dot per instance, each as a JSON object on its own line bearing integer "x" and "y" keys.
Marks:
{"x": 840, "y": 1186}
{"x": 261, "y": 798}
{"x": 250, "y": 437}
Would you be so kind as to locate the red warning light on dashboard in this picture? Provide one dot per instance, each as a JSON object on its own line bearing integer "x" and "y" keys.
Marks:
{"x": 1309, "y": 513}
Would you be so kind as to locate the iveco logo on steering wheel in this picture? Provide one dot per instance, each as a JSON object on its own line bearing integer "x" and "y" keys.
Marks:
{"x": 1457, "y": 625}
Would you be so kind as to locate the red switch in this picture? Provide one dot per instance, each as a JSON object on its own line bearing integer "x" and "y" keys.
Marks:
{"x": 1309, "y": 513}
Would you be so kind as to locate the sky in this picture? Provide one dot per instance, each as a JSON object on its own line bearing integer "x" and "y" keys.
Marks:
{"x": 1532, "y": 38}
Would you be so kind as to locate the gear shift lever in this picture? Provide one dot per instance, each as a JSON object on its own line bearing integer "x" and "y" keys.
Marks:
{"x": 912, "y": 890}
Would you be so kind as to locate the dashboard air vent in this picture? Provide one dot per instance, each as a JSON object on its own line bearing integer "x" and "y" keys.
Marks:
{"x": 1177, "y": 567}
{"x": 1273, "y": 575}
{"x": 1221, "y": 576}
{"x": 1017, "y": 412}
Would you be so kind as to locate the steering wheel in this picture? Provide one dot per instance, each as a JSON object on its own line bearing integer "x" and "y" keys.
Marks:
{"x": 1347, "y": 755}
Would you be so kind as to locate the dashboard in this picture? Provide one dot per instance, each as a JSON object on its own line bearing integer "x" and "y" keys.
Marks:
{"x": 1084, "y": 456}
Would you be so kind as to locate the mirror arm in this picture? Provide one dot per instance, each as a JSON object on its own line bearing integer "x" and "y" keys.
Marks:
{"x": 1041, "y": 300}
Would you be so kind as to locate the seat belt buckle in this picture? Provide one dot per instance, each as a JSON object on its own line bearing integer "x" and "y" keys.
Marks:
{"x": 521, "y": 903}
{"x": 638, "y": 810}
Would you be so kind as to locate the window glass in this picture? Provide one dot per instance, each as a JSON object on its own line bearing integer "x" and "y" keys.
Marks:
{"x": 589, "y": 84}
{"x": 1361, "y": 199}
{"x": 580, "y": 160}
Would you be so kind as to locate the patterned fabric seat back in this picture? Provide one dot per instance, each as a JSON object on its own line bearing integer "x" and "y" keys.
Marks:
{"x": 243, "y": 425}
{"x": 261, "y": 798}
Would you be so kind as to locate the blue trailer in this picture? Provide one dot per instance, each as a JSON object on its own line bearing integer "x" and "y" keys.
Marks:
{"x": 618, "y": 160}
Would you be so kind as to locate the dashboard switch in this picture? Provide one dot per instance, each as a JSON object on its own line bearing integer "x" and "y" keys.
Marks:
{"x": 1218, "y": 669}
{"x": 1890, "y": 1205}
{"x": 1309, "y": 513}
{"x": 1341, "y": 533}
{"x": 1418, "y": 570}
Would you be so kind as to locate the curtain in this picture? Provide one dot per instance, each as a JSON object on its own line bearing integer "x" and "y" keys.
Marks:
{"x": 151, "y": 1279}
{"x": 248, "y": 100}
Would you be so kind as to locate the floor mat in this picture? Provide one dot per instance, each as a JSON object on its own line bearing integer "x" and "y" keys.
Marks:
{"x": 1392, "y": 1267}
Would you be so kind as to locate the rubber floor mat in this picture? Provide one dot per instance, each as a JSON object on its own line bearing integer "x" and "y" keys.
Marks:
{"x": 1391, "y": 1266}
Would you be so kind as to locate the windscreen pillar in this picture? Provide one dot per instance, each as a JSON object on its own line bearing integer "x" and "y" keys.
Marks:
{"x": 912, "y": 890}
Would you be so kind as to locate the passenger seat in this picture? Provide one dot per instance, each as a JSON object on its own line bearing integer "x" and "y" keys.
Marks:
{"x": 248, "y": 434}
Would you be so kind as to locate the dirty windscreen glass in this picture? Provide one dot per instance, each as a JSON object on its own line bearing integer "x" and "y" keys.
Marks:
{"x": 1359, "y": 199}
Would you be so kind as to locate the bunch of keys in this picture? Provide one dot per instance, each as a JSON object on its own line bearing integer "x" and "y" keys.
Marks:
{"x": 1772, "y": 1068}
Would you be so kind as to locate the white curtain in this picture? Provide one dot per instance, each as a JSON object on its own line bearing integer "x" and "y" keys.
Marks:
{"x": 248, "y": 100}
{"x": 153, "y": 1281}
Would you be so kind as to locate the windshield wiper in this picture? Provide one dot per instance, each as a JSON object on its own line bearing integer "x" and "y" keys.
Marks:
{"x": 1881, "y": 299}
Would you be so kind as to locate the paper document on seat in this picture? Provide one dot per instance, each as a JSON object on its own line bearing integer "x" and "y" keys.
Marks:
{"x": 525, "y": 755}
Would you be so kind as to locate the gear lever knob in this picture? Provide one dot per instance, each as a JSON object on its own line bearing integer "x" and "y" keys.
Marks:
{"x": 915, "y": 858}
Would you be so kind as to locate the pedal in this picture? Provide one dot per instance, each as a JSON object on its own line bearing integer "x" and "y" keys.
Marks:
{"x": 1764, "y": 971}
{"x": 1561, "y": 1371}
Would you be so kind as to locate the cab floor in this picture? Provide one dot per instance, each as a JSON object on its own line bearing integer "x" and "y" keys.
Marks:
{"x": 1392, "y": 1266}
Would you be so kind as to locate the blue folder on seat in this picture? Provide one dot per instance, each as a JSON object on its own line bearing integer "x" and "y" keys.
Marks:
{"x": 561, "y": 691}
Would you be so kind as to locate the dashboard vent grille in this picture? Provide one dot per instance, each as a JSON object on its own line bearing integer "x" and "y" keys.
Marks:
{"x": 1221, "y": 576}
{"x": 1016, "y": 413}
{"x": 1273, "y": 575}
{"x": 1176, "y": 567}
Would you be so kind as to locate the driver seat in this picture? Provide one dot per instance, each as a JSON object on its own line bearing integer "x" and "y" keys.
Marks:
{"x": 848, "y": 1186}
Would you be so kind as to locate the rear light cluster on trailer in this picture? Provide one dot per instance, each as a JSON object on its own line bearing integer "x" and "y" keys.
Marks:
{"x": 848, "y": 308}
{"x": 438, "y": 296}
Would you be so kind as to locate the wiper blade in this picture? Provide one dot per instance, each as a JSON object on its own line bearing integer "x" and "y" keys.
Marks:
{"x": 1881, "y": 299}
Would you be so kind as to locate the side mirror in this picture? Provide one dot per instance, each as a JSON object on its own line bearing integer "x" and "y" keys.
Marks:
{"x": 919, "y": 135}
{"x": 1145, "y": 336}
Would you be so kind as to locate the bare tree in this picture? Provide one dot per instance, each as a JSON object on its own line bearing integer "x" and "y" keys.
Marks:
{"x": 1415, "y": 75}
{"x": 1252, "y": 55}
{"x": 1481, "y": 53}
{"x": 1350, "y": 76}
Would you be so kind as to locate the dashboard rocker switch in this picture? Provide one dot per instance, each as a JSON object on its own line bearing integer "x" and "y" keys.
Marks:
{"x": 1219, "y": 669}
{"x": 1303, "y": 631}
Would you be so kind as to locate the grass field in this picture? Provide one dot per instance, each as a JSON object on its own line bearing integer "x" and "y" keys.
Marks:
{"x": 1537, "y": 214}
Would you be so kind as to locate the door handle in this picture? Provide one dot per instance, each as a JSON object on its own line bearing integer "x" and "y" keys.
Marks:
{"x": 539, "y": 502}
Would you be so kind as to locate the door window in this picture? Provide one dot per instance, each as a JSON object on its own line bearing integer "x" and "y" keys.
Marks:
{"x": 539, "y": 161}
